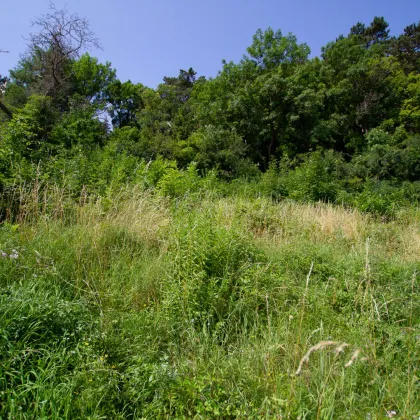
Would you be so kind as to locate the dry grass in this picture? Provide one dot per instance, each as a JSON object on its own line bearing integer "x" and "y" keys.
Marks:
{"x": 141, "y": 214}
{"x": 320, "y": 346}
{"x": 278, "y": 222}
{"x": 136, "y": 210}
{"x": 409, "y": 242}
{"x": 122, "y": 255}
{"x": 328, "y": 222}
{"x": 286, "y": 222}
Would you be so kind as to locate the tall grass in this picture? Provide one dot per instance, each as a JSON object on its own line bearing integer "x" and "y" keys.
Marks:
{"x": 202, "y": 306}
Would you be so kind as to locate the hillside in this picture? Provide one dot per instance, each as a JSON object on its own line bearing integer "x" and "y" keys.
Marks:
{"x": 243, "y": 246}
{"x": 207, "y": 307}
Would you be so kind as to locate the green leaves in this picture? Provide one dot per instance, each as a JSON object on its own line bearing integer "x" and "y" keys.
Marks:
{"x": 92, "y": 79}
{"x": 360, "y": 98}
{"x": 27, "y": 133}
{"x": 271, "y": 49}
{"x": 125, "y": 101}
{"x": 407, "y": 48}
{"x": 410, "y": 110}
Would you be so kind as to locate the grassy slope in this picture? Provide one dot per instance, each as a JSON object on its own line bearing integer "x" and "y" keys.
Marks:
{"x": 205, "y": 308}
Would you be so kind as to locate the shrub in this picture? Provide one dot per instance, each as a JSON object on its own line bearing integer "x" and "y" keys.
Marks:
{"x": 316, "y": 178}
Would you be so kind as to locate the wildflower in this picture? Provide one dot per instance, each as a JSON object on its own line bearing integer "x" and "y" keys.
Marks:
{"x": 3, "y": 254}
{"x": 13, "y": 256}
{"x": 391, "y": 413}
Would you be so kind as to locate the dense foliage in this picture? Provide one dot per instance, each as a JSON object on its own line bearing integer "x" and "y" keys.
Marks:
{"x": 342, "y": 127}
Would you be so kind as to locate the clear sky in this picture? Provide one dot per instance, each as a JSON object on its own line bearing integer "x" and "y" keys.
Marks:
{"x": 146, "y": 40}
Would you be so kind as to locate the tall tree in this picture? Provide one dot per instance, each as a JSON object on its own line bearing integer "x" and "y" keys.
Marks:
{"x": 406, "y": 48}
{"x": 125, "y": 101}
{"x": 276, "y": 57}
{"x": 377, "y": 31}
{"x": 46, "y": 66}
{"x": 271, "y": 49}
{"x": 91, "y": 80}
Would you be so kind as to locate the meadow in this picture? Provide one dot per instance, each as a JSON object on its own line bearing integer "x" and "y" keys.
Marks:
{"x": 244, "y": 246}
{"x": 206, "y": 306}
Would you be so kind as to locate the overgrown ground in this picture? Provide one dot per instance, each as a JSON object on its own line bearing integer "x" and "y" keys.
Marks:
{"x": 137, "y": 306}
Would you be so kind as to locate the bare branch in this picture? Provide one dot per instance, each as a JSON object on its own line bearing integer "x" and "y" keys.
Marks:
{"x": 67, "y": 33}
{"x": 61, "y": 38}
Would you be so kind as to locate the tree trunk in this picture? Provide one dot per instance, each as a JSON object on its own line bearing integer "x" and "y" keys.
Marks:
{"x": 271, "y": 146}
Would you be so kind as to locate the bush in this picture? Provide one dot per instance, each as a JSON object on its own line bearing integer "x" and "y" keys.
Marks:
{"x": 317, "y": 178}
{"x": 178, "y": 183}
{"x": 378, "y": 197}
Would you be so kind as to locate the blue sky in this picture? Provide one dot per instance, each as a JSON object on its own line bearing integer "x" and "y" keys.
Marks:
{"x": 146, "y": 40}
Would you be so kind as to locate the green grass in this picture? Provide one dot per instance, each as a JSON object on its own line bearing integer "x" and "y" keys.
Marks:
{"x": 203, "y": 307}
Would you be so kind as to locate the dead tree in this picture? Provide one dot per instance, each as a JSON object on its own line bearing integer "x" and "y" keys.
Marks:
{"x": 61, "y": 38}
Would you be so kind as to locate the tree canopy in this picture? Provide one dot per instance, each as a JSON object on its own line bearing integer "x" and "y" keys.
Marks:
{"x": 359, "y": 99}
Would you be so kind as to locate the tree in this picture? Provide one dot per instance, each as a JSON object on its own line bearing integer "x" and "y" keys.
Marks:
{"x": 271, "y": 49}
{"x": 6, "y": 110}
{"x": 376, "y": 33}
{"x": 182, "y": 84}
{"x": 125, "y": 101}
{"x": 92, "y": 80}
{"x": 46, "y": 66}
{"x": 252, "y": 97}
{"x": 166, "y": 117}
{"x": 358, "y": 29}
{"x": 265, "y": 101}
{"x": 407, "y": 48}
